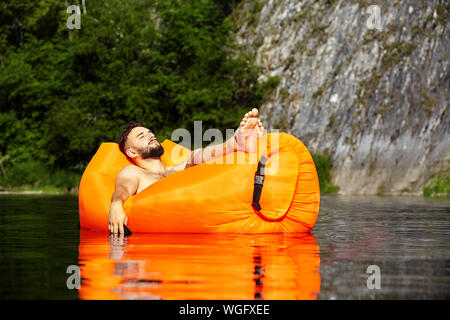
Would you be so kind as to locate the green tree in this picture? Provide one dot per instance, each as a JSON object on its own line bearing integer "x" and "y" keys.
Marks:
{"x": 165, "y": 63}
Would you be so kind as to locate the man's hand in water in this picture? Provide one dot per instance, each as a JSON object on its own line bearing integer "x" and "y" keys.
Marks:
{"x": 250, "y": 129}
{"x": 127, "y": 183}
{"x": 117, "y": 218}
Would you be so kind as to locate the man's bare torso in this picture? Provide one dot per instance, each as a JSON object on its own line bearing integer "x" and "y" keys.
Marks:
{"x": 143, "y": 177}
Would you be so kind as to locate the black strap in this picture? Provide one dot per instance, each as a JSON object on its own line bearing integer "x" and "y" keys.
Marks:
{"x": 259, "y": 181}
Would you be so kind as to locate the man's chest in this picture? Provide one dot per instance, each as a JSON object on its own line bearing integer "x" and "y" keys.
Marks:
{"x": 146, "y": 179}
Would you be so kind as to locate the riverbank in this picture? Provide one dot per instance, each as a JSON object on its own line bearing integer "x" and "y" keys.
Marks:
{"x": 37, "y": 178}
{"x": 25, "y": 190}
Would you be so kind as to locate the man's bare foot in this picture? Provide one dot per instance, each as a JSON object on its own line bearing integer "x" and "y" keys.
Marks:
{"x": 250, "y": 129}
{"x": 250, "y": 122}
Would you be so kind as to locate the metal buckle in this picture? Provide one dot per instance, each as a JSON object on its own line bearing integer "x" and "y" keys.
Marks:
{"x": 261, "y": 165}
{"x": 259, "y": 179}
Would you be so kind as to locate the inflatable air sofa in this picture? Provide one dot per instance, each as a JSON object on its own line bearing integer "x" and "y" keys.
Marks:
{"x": 277, "y": 192}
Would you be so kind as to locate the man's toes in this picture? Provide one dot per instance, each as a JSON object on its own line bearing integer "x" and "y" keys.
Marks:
{"x": 251, "y": 123}
{"x": 260, "y": 130}
{"x": 253, "y": 113}
{"x": 250, "y": 119}
{"x": 244, "y": 120}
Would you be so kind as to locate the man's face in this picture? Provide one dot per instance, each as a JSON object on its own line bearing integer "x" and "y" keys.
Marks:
{"x": 142, "y": 141}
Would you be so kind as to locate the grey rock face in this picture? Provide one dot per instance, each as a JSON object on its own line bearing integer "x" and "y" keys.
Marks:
{"x": 376, "y": 101}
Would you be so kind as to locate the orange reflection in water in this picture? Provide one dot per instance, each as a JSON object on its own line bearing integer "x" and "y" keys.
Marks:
{"x": 199, "y": 266}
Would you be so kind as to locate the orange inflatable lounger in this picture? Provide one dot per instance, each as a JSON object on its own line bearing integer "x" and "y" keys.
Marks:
{"x": 211, "y": 197}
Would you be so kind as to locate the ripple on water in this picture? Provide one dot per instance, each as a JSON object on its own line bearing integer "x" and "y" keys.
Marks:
{"x": 408, "y": 238}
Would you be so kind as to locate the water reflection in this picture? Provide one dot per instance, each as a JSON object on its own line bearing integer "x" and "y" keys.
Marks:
{"x": 407, "y": 237}
{"x": 199, "y": 266}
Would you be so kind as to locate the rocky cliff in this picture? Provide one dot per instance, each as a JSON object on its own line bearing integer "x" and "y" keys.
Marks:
{"x": 370, "y": 90}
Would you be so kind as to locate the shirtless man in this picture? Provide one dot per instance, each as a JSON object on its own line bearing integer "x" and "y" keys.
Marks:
{"x": 141, "y": 146}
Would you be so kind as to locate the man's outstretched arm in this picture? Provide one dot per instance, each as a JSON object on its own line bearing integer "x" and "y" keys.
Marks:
{"x": 208, "y": 153}
{"x": 245, "y": 139}
{"x": 211, "y": 152}
{"x": 127, "y": 183}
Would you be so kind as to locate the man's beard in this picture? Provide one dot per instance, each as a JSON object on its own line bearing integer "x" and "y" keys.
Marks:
{"x": 151, "y": 152}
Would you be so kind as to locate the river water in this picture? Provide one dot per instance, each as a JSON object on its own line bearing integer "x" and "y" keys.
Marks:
{"x": 361, "y": 248}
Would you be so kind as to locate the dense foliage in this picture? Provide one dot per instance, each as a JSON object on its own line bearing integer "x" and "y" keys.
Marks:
{"x": 165, "y": 63}
{"x": 438, "y": 185}
{"x": 323, "y": 167}
{"x": 63, "y": 92}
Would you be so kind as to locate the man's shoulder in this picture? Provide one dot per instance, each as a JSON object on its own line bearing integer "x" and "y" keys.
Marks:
{"x": 130, "y": 170}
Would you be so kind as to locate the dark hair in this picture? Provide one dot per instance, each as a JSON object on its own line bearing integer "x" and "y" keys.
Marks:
{"x": 125, "y": 132}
